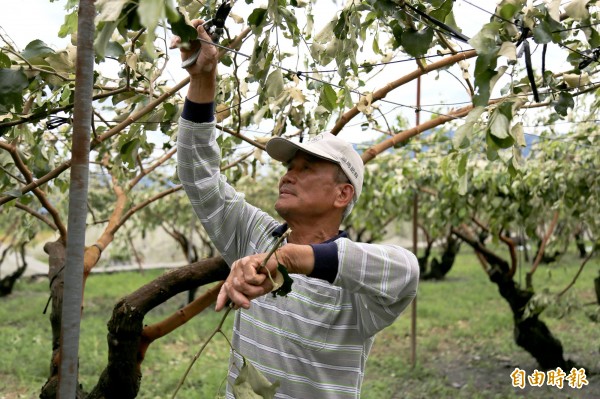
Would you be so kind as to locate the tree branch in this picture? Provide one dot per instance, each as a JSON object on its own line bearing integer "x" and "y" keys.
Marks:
{"x": 381, "y": 93}
{"x": 12, "y": 150}
{"x": 241, "y": 136}
{"x": 578, "y": 273}
{"x": 488, "y": 255}
{"x": 152, "y": 167}
{"x": 540, "y": 253}
{"x": 37, "y": 215}
{"x": 119, "y": 127}
{"x": 513, "y": 254}
{"x": 158, "y": 330}
{"x": 377, "y": 149}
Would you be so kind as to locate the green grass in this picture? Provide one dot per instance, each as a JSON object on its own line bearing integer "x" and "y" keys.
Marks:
{"x": 465, "y": 347}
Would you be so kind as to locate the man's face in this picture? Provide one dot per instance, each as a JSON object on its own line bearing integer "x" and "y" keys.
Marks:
{"x": 308, "y": 188}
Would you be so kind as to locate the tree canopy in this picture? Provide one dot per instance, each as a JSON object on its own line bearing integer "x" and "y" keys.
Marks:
{"x": 280, "y": 76}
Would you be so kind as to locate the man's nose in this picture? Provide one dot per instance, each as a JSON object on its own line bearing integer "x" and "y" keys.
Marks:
{"x": 288, "y": 177}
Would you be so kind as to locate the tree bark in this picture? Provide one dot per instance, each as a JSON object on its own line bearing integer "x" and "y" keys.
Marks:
{"x": 56, "y": 260}
{"x": 580, "y": 243}
{"x": 122, "y": 376}
{"x": 78, "y": 192}
{"x": 439, "y": 268}
{"x": 530, "y": 333}
{"x": 8, "y": 282}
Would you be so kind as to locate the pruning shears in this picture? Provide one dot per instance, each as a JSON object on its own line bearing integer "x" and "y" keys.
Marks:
{"x": 214, "y": 27}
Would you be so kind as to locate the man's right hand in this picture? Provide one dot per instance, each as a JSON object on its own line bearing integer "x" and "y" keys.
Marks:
{"x": 203, "y": 72}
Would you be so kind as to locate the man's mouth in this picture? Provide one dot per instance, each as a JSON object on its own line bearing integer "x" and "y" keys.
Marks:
{"x": 286, "y": 191}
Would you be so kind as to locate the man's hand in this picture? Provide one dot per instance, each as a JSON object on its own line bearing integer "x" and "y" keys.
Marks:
{"x": 203, "y": 72}
{"x": 248, "y": 280}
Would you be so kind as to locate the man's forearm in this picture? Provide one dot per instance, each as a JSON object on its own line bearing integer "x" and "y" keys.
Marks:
{"x": 202, "y": 90}
{"x": 298, "y": 259}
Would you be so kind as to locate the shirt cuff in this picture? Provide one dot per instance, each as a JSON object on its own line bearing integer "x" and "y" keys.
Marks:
{"x": 198, "y": 113}
{"x": 326, "y": 261}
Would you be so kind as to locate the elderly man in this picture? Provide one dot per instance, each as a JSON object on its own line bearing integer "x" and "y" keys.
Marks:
{"x": 314, "y": 341}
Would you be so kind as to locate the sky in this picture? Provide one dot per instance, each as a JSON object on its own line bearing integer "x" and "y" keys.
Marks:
{"x": 46, "y": 18}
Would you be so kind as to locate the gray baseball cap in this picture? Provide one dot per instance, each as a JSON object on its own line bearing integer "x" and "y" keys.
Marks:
{"x": 326, "y": 146}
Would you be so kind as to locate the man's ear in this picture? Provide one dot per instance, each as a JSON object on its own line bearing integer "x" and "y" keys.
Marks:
{"x": 345, "y": 195}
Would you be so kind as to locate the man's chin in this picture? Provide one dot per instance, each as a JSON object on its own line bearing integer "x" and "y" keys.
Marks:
{"x": 282, "y": 209}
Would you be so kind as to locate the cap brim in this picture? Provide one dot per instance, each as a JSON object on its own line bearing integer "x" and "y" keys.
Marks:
{"x": 283, "y": 150}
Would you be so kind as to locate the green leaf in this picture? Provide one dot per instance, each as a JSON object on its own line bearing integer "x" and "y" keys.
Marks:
{"x": 542, "y": 33}
{"x": 416, "y": 43}
{"x": 500, "y": 120}
{"x": 36, "y": 49}
{"x": 181, "y": 28}
{"x": 441, "y": 11}
{"x": 274, "y": 83}
{"x": 69, "y": 26}
{"x": 484, "y": 75}
{"x": 462, "y": 164}
{"x": 252, "y": 384}
{"x": 577, "y": 9}
{"x": 594, "y": 38}
{"x": 517, "y": 133}
{"x": 16, "y": 193}
{"x": 258, "y": 17}
{"x": 506, "y": 142}
{"x": 150, "y": 13}
{"x": 292, "y": 23}
{"x": 463, "y": 184}
{"x": 507, "y": 11}
{"x": 486, "y": 40}
{"x": 12, "y": 84}
{"x": 491, "y": 149}
{"x": 103, "y": 38}
{"x": 109, "y": 10}
{"x": 286, "y": 287}
{"x": 4, "y": 61}
{"x": 460, "y": 138}
{"x": 341, "y": 28}
{"x": 328, "y": 98}
{"x": 564, "y": 102}
{"x": 61, "y": 62}
{"x": 114, "y": 50}
{"x": 129, "y": 151}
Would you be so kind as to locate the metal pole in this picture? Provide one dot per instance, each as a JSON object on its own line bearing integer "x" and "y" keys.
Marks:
{"x": 413, "y": 314}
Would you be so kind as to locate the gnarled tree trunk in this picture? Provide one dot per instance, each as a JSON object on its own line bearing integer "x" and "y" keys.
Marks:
{"x": 122, "y": 376}
{"x": 530, "y": 333}
{"x": 439, "y": 268}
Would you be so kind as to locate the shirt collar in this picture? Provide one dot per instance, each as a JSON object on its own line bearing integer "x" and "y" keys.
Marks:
{"x": 279, "y": 230}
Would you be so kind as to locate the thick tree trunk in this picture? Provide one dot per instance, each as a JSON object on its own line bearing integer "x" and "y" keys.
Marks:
{"x": 56, "y": 260}
{"x": 424, "y": 259}
{"x": 122, "y": 377}
{"x": 580, "y": 245}
{"x": 530, "y": 333}
{"x": 7, "y": 283}
{"x": 439, "y": 268}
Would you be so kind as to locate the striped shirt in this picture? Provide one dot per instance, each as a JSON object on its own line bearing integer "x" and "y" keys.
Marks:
{"x": 315, "y": 341}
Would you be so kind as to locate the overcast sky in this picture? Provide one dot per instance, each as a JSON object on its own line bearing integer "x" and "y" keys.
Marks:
{"x": 44, "y": 19}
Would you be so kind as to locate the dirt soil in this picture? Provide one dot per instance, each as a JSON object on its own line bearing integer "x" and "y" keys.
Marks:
{"x": 489, "y": 376}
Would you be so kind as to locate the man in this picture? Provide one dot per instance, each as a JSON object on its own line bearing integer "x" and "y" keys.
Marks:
{"x": 314, "y": 341}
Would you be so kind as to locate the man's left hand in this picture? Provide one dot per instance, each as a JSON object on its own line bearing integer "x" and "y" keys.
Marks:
{"x": 247, "y": 280}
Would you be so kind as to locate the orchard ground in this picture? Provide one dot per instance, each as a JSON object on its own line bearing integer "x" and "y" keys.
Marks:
{"x": 464, "y": 347}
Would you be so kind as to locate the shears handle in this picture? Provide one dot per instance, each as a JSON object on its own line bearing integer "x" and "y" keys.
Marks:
{"x": 214, "y": 27}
